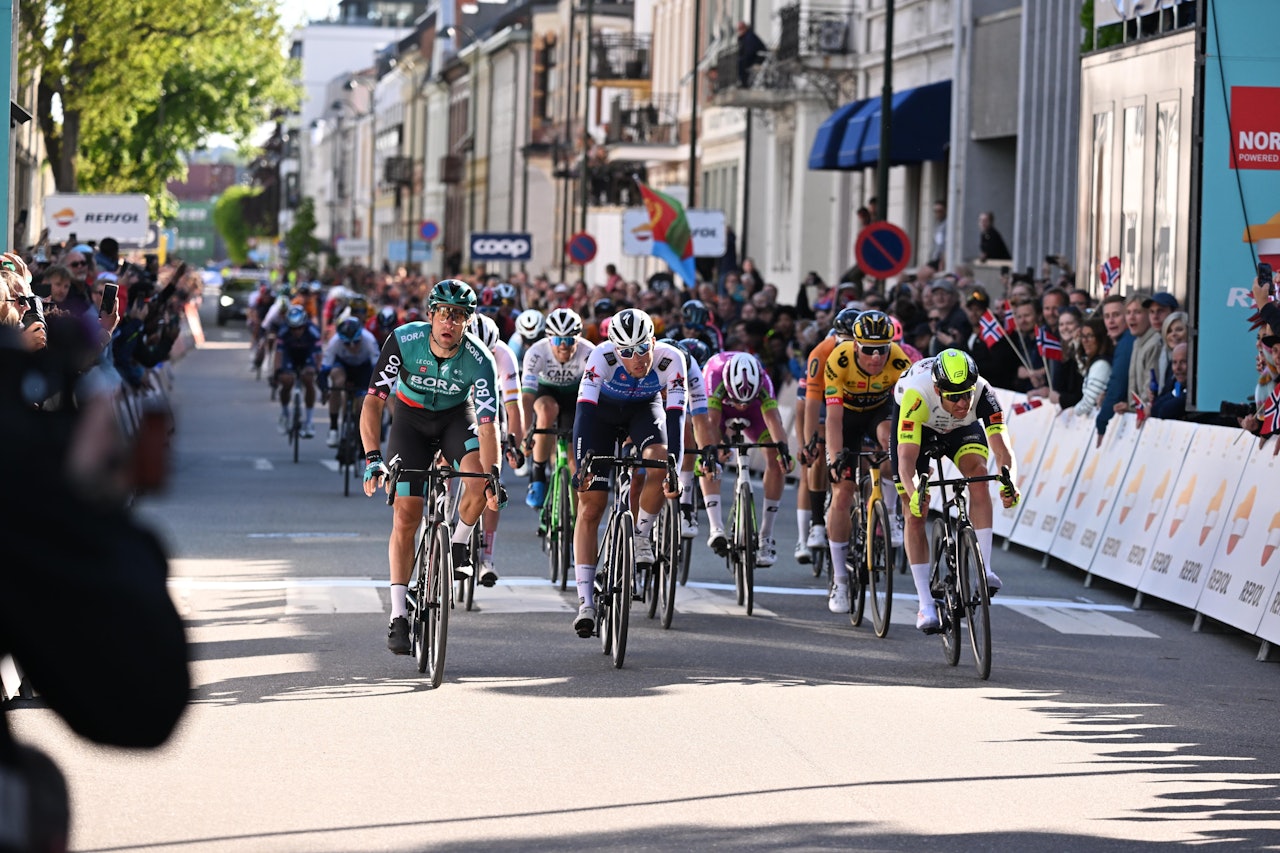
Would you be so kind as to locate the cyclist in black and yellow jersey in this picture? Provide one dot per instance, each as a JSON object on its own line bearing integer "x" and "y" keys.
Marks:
{"x": 938, "y": 406}
{"x": 860, "y": 375}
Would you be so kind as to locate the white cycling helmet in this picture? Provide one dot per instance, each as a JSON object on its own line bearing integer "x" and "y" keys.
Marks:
{"x": 529, "y": 324}
{"x": 483, "y": 327}
{"x": 630, "y": 327}
{"x": 742, "y": 378}
{"x": 563, "y": 323}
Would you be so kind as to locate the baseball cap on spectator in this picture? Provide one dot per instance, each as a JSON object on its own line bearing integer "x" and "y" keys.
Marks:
{"x": 977, "y": 296}
{"x": 105, "y": 277}
{"x": 1168, "y": 300}
{"x": 1269, "y": 340}
{"x": 943, "y": 284}
{"x": 84, "y": 249}
{"x": 560, "y": 288}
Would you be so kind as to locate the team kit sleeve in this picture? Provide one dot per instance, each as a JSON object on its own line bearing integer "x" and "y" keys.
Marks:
{"x": 988, "y": 409}
{"x": 509, "y": 373}
{"x": 387, "y": 370}
{"x": 330, "y": 354}
{"x": 814, "y": 378}
{"x": 532, "y": 366}
{"x": 697, "y": 389}
{"x": 833, "y": 375}
{"x": 485, "y": 383}
{"x": 676, "y": 385}
{"x": 912, "y": 415}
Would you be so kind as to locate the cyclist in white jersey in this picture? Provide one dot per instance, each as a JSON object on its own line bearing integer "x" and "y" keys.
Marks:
{"x": 621, "y": 396}
{"x": 508, "y": 372}
{"x": 698, "y": 427}
{"x": 346, "y": 360}
{"x": 553, "y": 369}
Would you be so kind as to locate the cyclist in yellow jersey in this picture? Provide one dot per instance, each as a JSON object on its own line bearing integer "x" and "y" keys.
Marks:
{"x": 859, "y": 380}
{"x": 938, "y": 405}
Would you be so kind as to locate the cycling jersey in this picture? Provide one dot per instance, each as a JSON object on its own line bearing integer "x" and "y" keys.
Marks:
{"x": 920, "y": 406}
{"x": 336, "y": 351}
{"x": 709, "y": 335}
{"x": 504, "y": 361}
{"x": 848, "y": 384}
{"x": 298, "y": 347}
{"x": 606, "y": 381}
{"x": 428, "y": 382}
{"x": 716, "y": 391}
{"x": 814, "y": 386}
{"x": 542, "y": 370}
{"x": 697, "y": 399}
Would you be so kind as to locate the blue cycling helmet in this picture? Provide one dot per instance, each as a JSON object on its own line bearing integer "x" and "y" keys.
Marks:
{"x": 296, "y": 318}
{"x": 349, "y": 330}
{"x": 695, "y": 313}
{"x": 695, "y": 349}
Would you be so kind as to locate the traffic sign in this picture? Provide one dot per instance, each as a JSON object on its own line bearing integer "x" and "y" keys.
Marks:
{"x": 428, "y": 230}
{"x": 581, "y": 248}
{"x": 883, "y": 250}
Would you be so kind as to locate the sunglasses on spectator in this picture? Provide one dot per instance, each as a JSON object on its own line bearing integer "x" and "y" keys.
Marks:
{"x": 639, "y": 349}
{"x": 563, "y": 341}
{"x": 878, "y": 349}
{"x": 957, "y": 396}
{"x": 78, "y": 264}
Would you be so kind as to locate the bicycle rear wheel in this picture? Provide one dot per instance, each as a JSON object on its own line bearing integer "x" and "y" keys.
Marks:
{"x": 856, "y": 562}
{"x": 295, "y": 429}
{"x": 609, "y": 555}
{"x": 562, "y": 545}
{"x": 439, "y": 571}
{"x": 747, "y": 541}
{"x": 467, "y": 586}
{"x": 668, "y": 542}
{"x": 944, "y": 592}
{"x": 977, "y": 600}
{"x": 416, "y": 600}
{"x": 623, "y": 575}
{"x": 880, "y": 570}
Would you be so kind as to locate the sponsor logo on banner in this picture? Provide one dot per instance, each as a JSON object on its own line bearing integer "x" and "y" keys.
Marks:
{"x": 125, "y": 217}
{"x": 1255, "y": 127}
{"x": 707, "y": 227}
{"x": 501, "y": 247}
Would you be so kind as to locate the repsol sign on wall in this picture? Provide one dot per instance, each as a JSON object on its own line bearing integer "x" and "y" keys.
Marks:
{"x": 96, "y": 217}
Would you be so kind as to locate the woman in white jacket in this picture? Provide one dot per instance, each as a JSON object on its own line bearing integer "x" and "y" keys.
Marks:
{"x": 1094, "y": 360}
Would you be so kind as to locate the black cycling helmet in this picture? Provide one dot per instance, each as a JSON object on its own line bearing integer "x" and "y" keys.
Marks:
{"x": 453, "y": 292}
{"x": 349, "y": 330}
{"x": 873, "y": 327}
{"x": 954, "y": 371}
{"x": 696, "y": 350}
{"x": 843, "y": 322}
{"x": 695, "y": 313}
{"x": 602, "y": 307}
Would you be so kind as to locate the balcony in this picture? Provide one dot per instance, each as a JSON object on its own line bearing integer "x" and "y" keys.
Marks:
{"x": 766, "y": 84}
{"x": 620, "y": 57}
{"x": 808, "y": 34}
{"x": 644, "y": 129}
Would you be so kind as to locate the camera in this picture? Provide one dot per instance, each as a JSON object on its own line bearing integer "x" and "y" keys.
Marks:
{"x": 34, "y": 311}
{"x": 1237, "y": 410}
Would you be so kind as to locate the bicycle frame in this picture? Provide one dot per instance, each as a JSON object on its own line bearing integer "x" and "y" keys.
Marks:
{"x": 742, "y": 541}
{"x": 555, "y": 522}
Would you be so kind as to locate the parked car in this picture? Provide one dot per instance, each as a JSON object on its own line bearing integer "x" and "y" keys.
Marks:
{"x": 237, "y": 286}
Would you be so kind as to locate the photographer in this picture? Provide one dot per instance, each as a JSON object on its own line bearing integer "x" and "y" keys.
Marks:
{"x": 32, "y": 336}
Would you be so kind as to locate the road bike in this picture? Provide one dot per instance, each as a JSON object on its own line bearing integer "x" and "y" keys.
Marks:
{"x": 870, "y": 554}
{"x": 740, "y": 553}
{"x": 658, "y": 582}
{"x": 819, "y": 557}
{"x": 555, "y": 520}
{"x": 348, "y": 440}
{"x": 958, "y": 576}
{"x": 295, "y": 419}
{"x": 686, "y": 545}
{"x": 615, "y": 585}
{"x": 428, "y": 598}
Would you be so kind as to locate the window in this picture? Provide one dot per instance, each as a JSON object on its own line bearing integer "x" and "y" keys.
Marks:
{"x": 1100, "y": 192}
{"x": 1131, "y": 196}
{"x": 1165, "y": 225}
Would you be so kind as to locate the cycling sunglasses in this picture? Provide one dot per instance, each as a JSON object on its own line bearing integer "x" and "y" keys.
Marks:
{"x": 563, "y": 340}
{"x": 453, "y": 315}
{"x": 639, "y": 349}
{"x": 878, "y": 349}
{"x": 957, "y": 396}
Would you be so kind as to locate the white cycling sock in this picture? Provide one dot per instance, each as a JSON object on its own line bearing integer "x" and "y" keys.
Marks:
{"x": 586, "y": 580}
{"x": 399, "y": 609}
{"x": 644, "y": 522}
{"x": 713, "y": 510}
{"x": 462, "y": 532}
{"x": 920, "y": 574}
{"x": 890, "y": 496}
{"x": 489, "y": 536}
{"x": 985, "y": 536}
{"x": 311, "y": 413}
{"x": 770, "y": 516}
{"x": 839, "y": 550}
{"x": 803, "y": 517}
{"x": 686, "y": 488}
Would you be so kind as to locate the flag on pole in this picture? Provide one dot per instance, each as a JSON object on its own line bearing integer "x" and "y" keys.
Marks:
{"x": 1023, "y": 408}
{"x": 1109, "y": 273}
{"x": 991, "y": 331}
{"x": 1009, "y": 324}
{"x": 1139, "y": 407}
{"x": 1270, "y": 414}
{"x": 1049, "y": 346}
{"x": 672, "y": 238}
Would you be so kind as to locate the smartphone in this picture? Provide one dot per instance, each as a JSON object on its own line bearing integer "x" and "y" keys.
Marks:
{"x": 1265, "y": 274}
{"x": 109, "y": 297}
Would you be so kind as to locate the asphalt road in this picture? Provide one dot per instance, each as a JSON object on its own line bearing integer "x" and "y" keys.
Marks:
{"x": 1101, "y": 727}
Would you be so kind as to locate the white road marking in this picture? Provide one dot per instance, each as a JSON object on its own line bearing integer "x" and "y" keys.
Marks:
{"x": 261, "y": 464}
{"x": 1074, "y": 620}
{"x": 303, "y": 535}
{"x": 313, "y": 599}
{"x": 331, "y": 464}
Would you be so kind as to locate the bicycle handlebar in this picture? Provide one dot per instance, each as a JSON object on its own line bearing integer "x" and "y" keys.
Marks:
{"x": 443, "y": 471}
{"x": 669, "y": 465}
{"x": 1004, "y": 477}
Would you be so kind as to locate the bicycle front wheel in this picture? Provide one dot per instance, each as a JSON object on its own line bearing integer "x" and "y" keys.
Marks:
{"x": 562, "y": 545}
{"x": 945, "y": 594}
{"x": 295, "y": 431}
{"x": 623, "y": 576}
{"x": 605, "y": 599}
{"x": 880, "y": 568}
{"x": 439, "y": 573}
{"x": 669, "y": 541}
{"x": 747, "y": 542}
{"x": 856, "y": 561}
{"x": 977, "y": 601}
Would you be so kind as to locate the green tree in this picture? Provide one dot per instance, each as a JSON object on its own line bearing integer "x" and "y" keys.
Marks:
{"x": 229, "y": 219}
{"x": 300, "y": 241}
{"x": 140, "y": 83}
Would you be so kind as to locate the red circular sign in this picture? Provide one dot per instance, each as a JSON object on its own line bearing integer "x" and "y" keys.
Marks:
{"x": 581, "y": 248}
{"x": 883, "y": 250}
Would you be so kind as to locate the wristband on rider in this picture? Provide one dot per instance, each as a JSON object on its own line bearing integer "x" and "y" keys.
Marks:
{"x": 373, "y": 457}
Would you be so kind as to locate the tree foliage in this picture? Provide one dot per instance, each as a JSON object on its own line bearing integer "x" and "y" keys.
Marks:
{"x": 300, "y": 241}
{"x": 229, "y": 219}
{"x": 143, "y": 82}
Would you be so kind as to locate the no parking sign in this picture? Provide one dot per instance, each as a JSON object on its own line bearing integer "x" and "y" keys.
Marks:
{"x": 883, "y": 250}
{"x": 581, "y": 248}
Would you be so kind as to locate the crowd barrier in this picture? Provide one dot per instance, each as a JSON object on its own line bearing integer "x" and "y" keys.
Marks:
{"x": 1178, "y": 511}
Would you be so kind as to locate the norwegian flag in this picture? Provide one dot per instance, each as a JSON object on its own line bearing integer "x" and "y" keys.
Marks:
{"x": 1023, "y": 408}
{"x": 1109, "y": 273}
{"x": 1270, "y": 414}
{"x": 991, "y": 331}
{"x": 1009, "y": 324}
{"x": 1050, "y": 347}
{"x": 1139, "y": 407}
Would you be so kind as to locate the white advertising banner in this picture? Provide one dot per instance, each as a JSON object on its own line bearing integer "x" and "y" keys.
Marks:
{"x": 1131, "y": 533}
{"x": 706, "y": 226}
{"x": 1188, "y": 534}
{"x": 96, "y": 217}
{"x": 1069, "y": 446}
{"x": 1095, "y": 493}
{"x": 1029, "y": 433}
{"x": 1242, "y": 573}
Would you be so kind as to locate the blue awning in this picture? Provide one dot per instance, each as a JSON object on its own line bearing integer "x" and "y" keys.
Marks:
{"x": 826, "y": 143}
{"x": 921, "y": 129}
